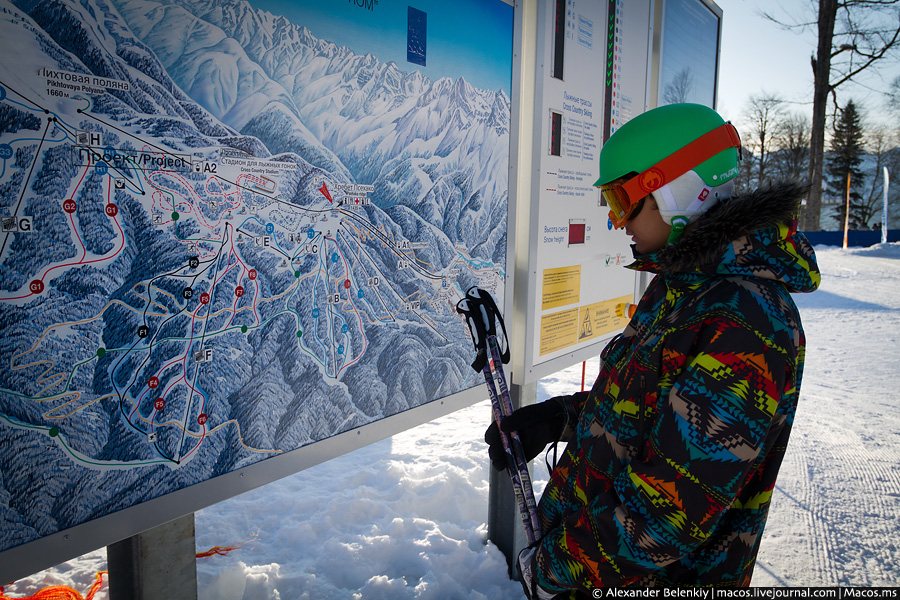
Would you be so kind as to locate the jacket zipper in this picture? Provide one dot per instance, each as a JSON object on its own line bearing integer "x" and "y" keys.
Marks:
{"x": 641, "y": 411}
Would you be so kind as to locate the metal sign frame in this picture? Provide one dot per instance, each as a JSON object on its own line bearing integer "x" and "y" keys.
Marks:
{"x": 46, "y": 551}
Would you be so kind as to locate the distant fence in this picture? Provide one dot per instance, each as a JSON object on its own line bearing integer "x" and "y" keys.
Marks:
{"x": 861, "y": 238}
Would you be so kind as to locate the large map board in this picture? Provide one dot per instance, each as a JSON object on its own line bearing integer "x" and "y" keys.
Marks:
{"x": 233, "y": 231}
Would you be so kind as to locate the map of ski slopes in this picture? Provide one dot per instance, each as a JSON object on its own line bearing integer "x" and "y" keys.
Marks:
{"x": 223, "y": 238}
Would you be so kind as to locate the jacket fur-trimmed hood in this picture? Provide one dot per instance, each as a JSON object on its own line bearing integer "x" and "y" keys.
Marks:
{"x": 752, "y": 234}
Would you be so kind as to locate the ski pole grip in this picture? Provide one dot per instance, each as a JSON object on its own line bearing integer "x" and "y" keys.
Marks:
{"x": 469, "y": 308}
{"x": 490, "y": 315}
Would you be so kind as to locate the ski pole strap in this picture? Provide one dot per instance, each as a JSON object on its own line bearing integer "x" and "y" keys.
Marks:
{"x": 482, "y": 316}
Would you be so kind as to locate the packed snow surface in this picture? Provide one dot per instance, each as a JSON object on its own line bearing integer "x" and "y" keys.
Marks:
{"x": 404, "y": 517}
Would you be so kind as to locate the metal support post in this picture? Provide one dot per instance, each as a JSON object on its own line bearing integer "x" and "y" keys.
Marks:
{"x": 158, "y": 564}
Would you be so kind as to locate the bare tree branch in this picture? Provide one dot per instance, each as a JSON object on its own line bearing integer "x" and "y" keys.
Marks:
{"x": 861, "y": 31}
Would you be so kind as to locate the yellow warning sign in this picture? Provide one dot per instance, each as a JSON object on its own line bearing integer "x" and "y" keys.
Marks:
{"x": 562, "y": 286}
{"x": 559, "y": 330}
{"x": 600, "y": 318}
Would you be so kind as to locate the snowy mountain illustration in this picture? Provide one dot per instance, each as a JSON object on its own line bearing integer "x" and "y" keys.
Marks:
{"x": 262, "y": 249}
{"x": 266, "y": 77}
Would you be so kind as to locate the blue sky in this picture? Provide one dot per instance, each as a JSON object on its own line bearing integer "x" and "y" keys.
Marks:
{"x": 468, "y": 38}
{"x": 760, "y": 56}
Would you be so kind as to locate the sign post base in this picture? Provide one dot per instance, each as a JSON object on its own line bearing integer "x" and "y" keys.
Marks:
{"x": 160, "y": 563}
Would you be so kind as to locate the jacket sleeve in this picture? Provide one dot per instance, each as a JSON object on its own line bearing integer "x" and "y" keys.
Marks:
{"x": 572, "y": 406}
{"x": 710, "y": 429}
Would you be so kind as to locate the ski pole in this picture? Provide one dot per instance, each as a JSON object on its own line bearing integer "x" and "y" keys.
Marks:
{"x": 482, "y": 314}
{"x": 489, "y": 313}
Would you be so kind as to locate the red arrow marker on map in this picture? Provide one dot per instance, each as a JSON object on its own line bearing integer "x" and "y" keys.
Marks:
{"x": 324, "y": 190}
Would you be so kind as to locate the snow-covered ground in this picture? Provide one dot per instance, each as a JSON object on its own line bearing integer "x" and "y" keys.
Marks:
{"x": 404, "y": 518}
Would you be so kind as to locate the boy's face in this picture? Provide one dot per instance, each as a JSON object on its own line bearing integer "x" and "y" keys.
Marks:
{"x": 647, "y": 229}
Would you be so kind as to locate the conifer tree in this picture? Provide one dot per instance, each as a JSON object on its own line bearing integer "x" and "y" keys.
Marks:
{"x": 846, "y": 158}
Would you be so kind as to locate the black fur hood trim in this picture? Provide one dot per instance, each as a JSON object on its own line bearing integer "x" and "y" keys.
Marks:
{"x": 704, "y": 240}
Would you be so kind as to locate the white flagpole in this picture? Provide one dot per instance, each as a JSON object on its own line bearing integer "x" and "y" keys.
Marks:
{"x": 884, "y": 213}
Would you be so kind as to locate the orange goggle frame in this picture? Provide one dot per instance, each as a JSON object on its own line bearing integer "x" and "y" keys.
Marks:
{"x": 623, "y": 197}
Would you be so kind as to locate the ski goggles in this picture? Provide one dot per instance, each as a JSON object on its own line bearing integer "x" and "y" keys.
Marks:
{"x": 625, "y": 194}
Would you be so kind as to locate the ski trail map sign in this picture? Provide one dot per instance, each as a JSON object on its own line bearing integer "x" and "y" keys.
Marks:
{"x": 231, "y": 230}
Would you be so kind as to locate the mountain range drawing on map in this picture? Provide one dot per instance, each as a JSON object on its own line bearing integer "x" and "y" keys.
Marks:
{"x": 248, "y": 239}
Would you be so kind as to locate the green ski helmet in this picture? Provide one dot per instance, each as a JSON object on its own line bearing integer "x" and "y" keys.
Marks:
{"x": 685, "y": 184}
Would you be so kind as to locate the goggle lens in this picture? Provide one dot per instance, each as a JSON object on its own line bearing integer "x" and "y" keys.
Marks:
{"x": 620, "y": 205}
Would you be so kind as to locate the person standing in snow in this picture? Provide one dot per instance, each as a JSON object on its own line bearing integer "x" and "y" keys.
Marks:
{"x": 672, "y": 456}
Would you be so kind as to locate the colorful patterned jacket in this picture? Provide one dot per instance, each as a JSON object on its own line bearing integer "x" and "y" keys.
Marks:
{"x": 672, "y": 459}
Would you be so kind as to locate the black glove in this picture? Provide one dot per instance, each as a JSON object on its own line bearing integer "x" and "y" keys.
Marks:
{"x": 537, "y": 425}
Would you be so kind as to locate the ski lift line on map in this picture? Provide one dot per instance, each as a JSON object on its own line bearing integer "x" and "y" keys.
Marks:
{"x": 142, "y": 418}
{"x": 214, "y": 287}
{"x": 315, "y": 311}
{"x": 135, "y": 406}
{"x": 150, "y": 301}
{"x": 193, "y": 386}
{"x": 254, "y": 236}
{"x": 331, "y": 326}
{"x": 37, "y": 289}
{"x": 378, "y": 270}
{"x": 353, "y": 304}
{"x": 362, "y": 265}
{"x": 403, "y": 254}
{"x": 25, "y": 98}
{"x": 52, "y": 120}
{"x": 47, "y": 331}
{"x": 375, "y": 232}
{"x": 26, "y": 184}
{"x": 392, "y": 246}
{"x": 429, "y": 323}
{"x": 143, "y": 331}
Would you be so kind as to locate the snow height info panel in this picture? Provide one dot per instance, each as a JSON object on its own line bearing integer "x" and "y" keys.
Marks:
{"x": 232, "y": 229}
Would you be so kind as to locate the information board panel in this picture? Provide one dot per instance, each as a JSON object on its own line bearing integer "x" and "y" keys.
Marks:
{"x": 234, "y": 230}
{"x": 628, "y": 63}
{"x": 598, "y": 52}
{"x": 689, "y": 57}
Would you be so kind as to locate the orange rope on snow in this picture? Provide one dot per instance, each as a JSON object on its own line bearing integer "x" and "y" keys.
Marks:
{"x": 220, "y": 550}
{"x": 64, "y": 592}
{"x": 61, "y": 592}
